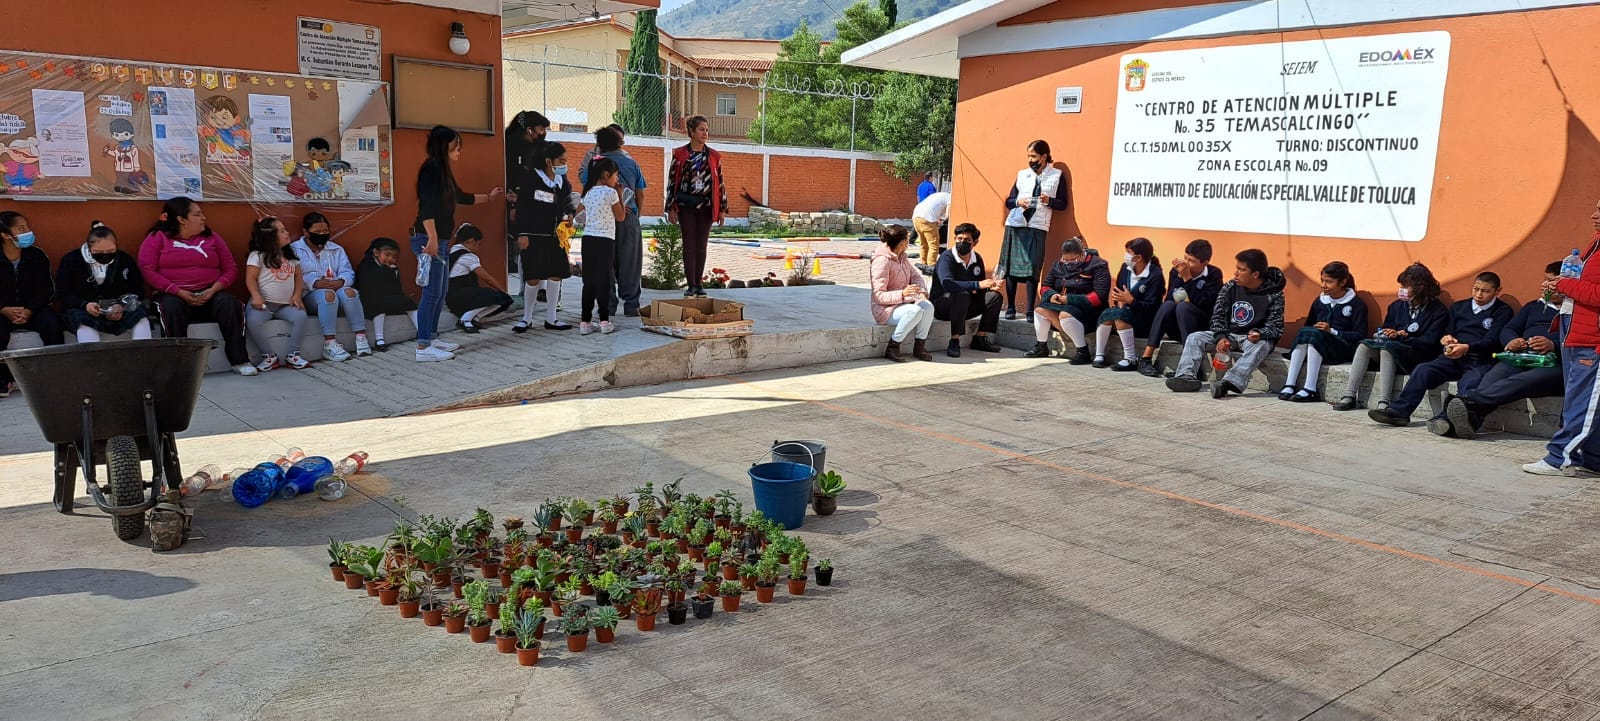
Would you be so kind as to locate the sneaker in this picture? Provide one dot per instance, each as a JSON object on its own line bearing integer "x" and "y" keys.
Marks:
{"x": 1011, "y": 314}
{"x": 1440, "y": 426}
{"x": 1148, "y": 369}
{"x": 1123, "y": 366}
{"x": 432, "y": 353}
{"x": 296, "y": 362}
{"x": 445, "y": 346}
{"x": 1080, "y": 358}
{"x": 268, "y": 362}
{"x": 1543, "y": 468}
{"x": 331, "y": 350}
{"x": 245, "y": 369}
{"x": 1183, "y": 384}
{"x": 558, "y": 325}
{"x": 688, "y": 292}
{"x": 607, "y": 327}
{"x": 585, "y": 328}
{"x": 1100, "y": 362}
{"x": 1040, "y": 349}
{"x": 700, "y": 293}
{"x": 1460, "y": 418}
{"x": 953, "y": 348}
{"x": 1384, "y": 416}
{"x": 984, "y": 343}
{"x": 362, "y": 347}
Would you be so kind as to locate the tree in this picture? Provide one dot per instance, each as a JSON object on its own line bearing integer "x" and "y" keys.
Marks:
{"x": 788, "y": 116}
{"x": 644, "y": 93}
{"x": 890, "y": 10}
{"x": 914, "y": 117}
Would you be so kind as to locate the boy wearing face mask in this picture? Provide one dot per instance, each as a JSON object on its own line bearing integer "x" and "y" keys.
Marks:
{"x": 330, "y": 285}
{"x": 1466, "y": 355}
{"x": 1533, "y": 330}
{"x": 962, "y": 290}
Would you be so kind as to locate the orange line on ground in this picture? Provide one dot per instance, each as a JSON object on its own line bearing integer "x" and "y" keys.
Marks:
{"x": 1283, "y": 523}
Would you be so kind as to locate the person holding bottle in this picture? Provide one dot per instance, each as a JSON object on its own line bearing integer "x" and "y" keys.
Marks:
{"x": 1248, "y": 316}
{"x": 1576, "y": 444}
{"x": 1531, "y": 334}
{"x": 1408, "y": 337}
{"x": 1192, "y": 287}
{"x": 1335, "y": 325}
{"x": 190, "y": 268}
{"x": 438, "y": 194}
{"x": 1466, "y": 350}
{"x": 25, "y": 290}
{"x": 101, "y": 289}
{"x": 1040, "y": 191}
{"x": 330, "y": 284}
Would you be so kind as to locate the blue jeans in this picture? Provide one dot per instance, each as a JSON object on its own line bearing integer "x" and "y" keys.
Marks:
{"x": 433, "y": 293}
{"x": 1576, "y": 443}
{"x": 328, "y": 308}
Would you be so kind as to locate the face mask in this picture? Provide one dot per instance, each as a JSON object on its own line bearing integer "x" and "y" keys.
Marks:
{"x": 104, "y": 258}
{"x": 1404, "y": 294}
{"x": 25, "y": 240}
{"x": 1127, "y": 259}
{"x": 963, "y": 248}
{"x": 1036, "y": 166}
{"x": 318, "y": 239}
{"x": 561, "y": 170}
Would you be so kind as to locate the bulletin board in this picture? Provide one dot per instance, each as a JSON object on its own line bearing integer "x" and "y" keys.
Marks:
{"x": 429, "y": 93}
{"x": 76, "y": 128}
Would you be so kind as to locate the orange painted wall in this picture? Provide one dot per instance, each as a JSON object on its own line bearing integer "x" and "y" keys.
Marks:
{"x": 260, "y": 35}
{"x": 1514, "y": 185}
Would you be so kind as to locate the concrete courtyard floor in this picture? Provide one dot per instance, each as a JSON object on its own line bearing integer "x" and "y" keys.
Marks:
{"x": 1021, "y": 540}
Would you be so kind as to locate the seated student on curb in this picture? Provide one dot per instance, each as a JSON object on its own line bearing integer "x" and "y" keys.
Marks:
{"x": 1192, "y": 288}
{"x": 272, "y": 275}
{"x": 378, "y": 281}
{"x": 94, "y": 284}
{"x": 330, "y": 284}
{"x": 1474, "y": 336}
{"x": 1248, "y": 313}
{"x": 1072, "y": 296}
{"x": 1335, "y": 325}
{"x": 962, "y": 290}
{"x": 1409, "y": 336}
{"x": 1533, "y": 330}
{"x": 1135, "y": 296}
{"x": 474, "y": 294}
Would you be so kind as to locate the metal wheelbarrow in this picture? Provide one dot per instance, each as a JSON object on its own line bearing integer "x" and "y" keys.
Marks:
{"x": 118, "y": 403}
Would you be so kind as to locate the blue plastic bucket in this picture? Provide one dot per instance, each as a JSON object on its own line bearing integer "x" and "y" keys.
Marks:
{"x": 782, "y": 491}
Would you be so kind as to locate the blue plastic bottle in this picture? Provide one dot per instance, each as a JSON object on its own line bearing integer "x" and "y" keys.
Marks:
{"x": 1572, "y": 265}
{"x": 257, "y": 486}
{"x": 303, "y": 476}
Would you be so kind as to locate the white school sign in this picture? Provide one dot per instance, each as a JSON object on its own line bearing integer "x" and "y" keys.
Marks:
{"x": 1331, "y": 138}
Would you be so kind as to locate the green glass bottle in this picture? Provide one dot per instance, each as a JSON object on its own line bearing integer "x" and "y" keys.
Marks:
{"x": 1528, "y": 360}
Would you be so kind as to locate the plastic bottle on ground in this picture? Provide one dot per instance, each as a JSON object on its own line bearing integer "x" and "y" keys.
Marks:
{"x": 209, "y": 476}
{"x": 350, "y": 465}
{"x": 302, "y": 477}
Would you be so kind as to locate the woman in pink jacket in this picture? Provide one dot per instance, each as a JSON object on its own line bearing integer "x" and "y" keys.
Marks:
{"x": 898, "y": 298}
{"x": 190, "y": 269}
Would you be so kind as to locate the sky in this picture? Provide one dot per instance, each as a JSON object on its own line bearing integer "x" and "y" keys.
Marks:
{"x": 667, "y": 5}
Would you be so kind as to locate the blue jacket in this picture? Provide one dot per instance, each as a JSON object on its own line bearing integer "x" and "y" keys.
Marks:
{"x": 315, "y": 266}
{"x": 1346, "y": 320}
{"x": 1481, "y": 330}
{"x": 926, "y": 189}
{"x": 1147, "y": 296}
{"x": 1534, "y": 319}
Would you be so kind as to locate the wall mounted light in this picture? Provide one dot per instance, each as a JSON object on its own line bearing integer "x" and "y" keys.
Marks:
{"x": 459, "y": 44}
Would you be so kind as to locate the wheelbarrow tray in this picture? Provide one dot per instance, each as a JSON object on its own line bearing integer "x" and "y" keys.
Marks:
{"x": 114, "y": 376}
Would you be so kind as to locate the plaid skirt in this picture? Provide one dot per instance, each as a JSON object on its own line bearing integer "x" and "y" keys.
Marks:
{"x": 1334, "y": 350}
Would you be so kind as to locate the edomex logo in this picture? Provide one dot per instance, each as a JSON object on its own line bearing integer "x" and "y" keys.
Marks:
{"x": 1133, "y": 75}
{"x": 1403, "y": 55}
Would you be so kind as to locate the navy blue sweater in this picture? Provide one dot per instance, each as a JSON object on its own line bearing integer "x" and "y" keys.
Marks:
{"x": 949, "y": 276}
{"x": 1202, "y": 289}
{"x": 1347, "y": 320}
{"x": 1534, "y": 319}
{"x": 1423, "y": 330}
{"x": 1481, "y": 330}
{"x": 1148, "y": 294}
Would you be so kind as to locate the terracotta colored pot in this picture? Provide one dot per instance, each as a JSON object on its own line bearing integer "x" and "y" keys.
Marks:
{"x": 605, "y": 635}
{"x": 543, "y": 596}
{"x": 588, "y": 518}
{"x": 555, "y": 524}
{"x": 652, "y": 529}
{"x": 479, "y": 634}
{"x": 374, "y": 585}
{"x": 527, "y": 656}
{"x": 622, "y": 610}
{"x": 433, "y": 616}
{"x": 783, "y": 558}
{"x": 492, "y": 610}
{"x": 609, "y": 527}
{"x": 574, "y": 534}
{"x": 408, "y": 609}
{"x": 730, "y": 603}
{"x": 546, "y": 540}
{"x": 577, "y": 643}
{"x": 797, "y": 586}
{"x": 697, "y": 553}
{"x": 455, "y": 624}
{"x": 683, "y": 545}
{"x": 557, "y": 607}
{"x": 825, "y": 505}
{"x": 730, "y": 572}
{"x": 353, "y": 581}
{"x": 764, "y": 592}
{"x": 708, "y": 563}
{"x": 490, "y": 569}
{"x": 587, "y": 589}
{"x": 722, "y": 521}
{"x": 338, "y": 571}
{"x": 505, "y": 643}
{"x": 749, "y": 582}
{"x": 455, "y": 589}
{"x": 441, "y": 578}
{"x": 621, "y": 509}
{"x": 505, "y": 578}
{"x": 388, "y": 596}
{"x": 645, "y": 621}
{"x": 627, "y": 538}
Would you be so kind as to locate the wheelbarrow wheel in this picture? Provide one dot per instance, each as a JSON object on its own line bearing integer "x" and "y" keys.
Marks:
{"x": 127, "y": 484}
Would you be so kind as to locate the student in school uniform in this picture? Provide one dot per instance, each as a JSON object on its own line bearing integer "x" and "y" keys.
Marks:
{"x": 1532, "y": 330}
{"x": 1135, "y": 296}
{"x": 1248, "y": 315}
{"x": 474, "y": 294}
{"x": 1409, "y": 336}
{"x": 1474, "y": 336}
{"x": 1192, "y": 287}
{"x": 1074, "y": 294}
{"x": 1334, "y": 327}
{"x": 963, "y": 290}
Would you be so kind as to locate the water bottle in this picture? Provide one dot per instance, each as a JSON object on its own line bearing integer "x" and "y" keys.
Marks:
{"x": 257, "y": 485}
{"x": 424, "y": 266}
{"x": 302, "y": 477}
{"x": 330, "y": 488}
{"x": 228, "y": 480}
{"x": 1180, "y": 294}
{"x": 1572, "y": 265}
{"x": 208, "y": 476}
{"x": 350, "y": 465}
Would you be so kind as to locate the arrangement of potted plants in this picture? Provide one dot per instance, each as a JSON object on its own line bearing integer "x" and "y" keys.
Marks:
{"x": 829, "y": 484}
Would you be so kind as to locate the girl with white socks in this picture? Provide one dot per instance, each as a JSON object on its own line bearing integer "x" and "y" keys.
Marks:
{"x": 544, "y": 200}
{"x": 378, "y": 282}
{"x": 1336, "y": 322}
{"x": 1135, "y": 297}
{"x": 1070, "y": 300}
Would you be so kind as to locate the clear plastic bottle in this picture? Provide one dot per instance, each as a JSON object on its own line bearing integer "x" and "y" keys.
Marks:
{"x": 330, "y": 488}
{"x": 209, "y": 476}
{"x": 1180, "y": 294}
{"x": 1572, "y": 265}
{"x": 350, "y": 465}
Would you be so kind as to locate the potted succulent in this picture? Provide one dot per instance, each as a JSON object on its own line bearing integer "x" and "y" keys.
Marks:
{"x": 566, "y": 594}
{"x": 766, "y": 578}
{"x": 575, "y": 513}
{"x": 602, "y": 587}
{"x": 432, "y": 610}
{"x": 577, "y": 627}
{"x": 491, "y": 602}
{"x": 737, "y": 524}
{"x": 477, "y": 595}
{"x": 730, "y": 564}
{"x": 747, "y": 575}
{"x": 336, "y": 551}
{"x": 408, "y": 594}
{"x": 455, "y": 617}
{"x": 362, "y": 563}
{"x": 533, "y": 607}
{"x": 797, "y": 573}
{"x": 829, "y": 484}
{"x": 677, "y": 612}
{"x": 604, "y": 619}
{"x": 676, "y": 589}
{"x": 704, "y": 603}
{"x": 646, "y": 604}
{"x": 526, "y": 629}
{"x": 730, "y": 592}
{"x": 608, "y": 520}
{"x": 490, "y": 566}
{"x": 621, "y": 596}
{"x": 824, "y": 572}
{"x": 556, "y": 507}
{"x": 544, "y": 517}
{"x": 713, "y": 555}
{"x": 724, "y": 508}
{"x": 505, "y": 639}
{"x": 619, "y": 505}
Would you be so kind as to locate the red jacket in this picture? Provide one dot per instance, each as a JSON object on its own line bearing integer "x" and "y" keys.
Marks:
{"x": 719, "y": 194}
{"x": 1585, "y": 294}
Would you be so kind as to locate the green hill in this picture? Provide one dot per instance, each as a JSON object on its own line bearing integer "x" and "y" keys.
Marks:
{"x": 774, "y": 19}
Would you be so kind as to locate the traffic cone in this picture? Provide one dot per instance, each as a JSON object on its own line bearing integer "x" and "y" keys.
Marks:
{"x": 816, "y": 266}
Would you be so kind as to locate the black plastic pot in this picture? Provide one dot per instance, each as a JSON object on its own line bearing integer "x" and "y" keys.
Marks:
{"x": 677, "y": 613}
{"x": 602, "y": 597}
{"x": 824, "y": 576}
{"x": 703, "y": 609}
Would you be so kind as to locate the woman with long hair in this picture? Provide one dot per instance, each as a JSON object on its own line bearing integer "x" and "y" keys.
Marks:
{"x": 898, "y": 298}
{"x": 190, "y": 268}
{"x": 696, "y": 199}
{"x": 272, "y": 274}
{"x": 1041, "y": 189}
{"x": 437, "y": 198}
{"x": 25, "y": 289}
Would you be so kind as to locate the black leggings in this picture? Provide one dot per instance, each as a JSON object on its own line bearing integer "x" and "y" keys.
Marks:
{"x": 1032, "y": 285}
{"x": 598, "y": 256}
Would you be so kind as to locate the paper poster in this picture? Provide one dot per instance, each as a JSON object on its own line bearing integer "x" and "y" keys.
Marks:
{"x": 332, "y": 49}
{"x": 176, "y": 139}
{"x": 1334, "y": 137}
{"x": 63, "y": 133}
{"x": 122, "y": 144}
{"x": 223, "y": 131}
{"x": 360, "y": 153}
{"x": 272, "y": 135}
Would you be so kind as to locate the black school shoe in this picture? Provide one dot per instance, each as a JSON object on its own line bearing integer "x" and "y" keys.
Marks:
{"x": 1287, "y": 393}
{"x": 953, "y": 349}
{"x": 381, "y": 346}
{"x": 1100, "y": 362}
{"x": 1384, "y": 416}
{"x": 1041, "y": 349}
{"x": 984, "y": 343}
{"x": 1460, "y": 418}
{"x": 467, "y": 326}
{"x": 520, "y": 327}
{"x": 1307, "y": 396}
{"x": 1080, "y": 358}
{"x": 1183, "y": 384}
{"x": 1221, "y": 389}
{"x": 1123, "y": 366}
{"x": 1148, "y": 369}
{"x": 558, "y": 325}
{"x": 1347, "y": 403}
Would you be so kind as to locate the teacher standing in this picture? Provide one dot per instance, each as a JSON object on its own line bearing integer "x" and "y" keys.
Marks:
{"x": 1041, "y": 190}
{"x": 696, "y": 199}
{"x": 437, "y": 198}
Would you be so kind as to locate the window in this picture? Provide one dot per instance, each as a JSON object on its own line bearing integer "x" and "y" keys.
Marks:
{"x": 727, "y": 104}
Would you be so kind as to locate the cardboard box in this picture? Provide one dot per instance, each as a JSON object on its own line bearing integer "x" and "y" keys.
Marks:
{"x": 697, "y": 318}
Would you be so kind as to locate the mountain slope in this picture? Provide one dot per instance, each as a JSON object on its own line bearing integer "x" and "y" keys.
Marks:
{"x": 774, "y": 19}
